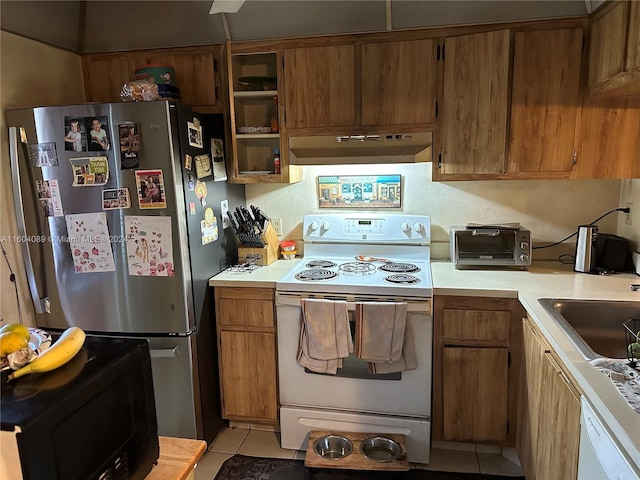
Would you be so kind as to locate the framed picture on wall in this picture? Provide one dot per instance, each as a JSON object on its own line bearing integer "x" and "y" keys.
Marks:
{"x": 360, "y": 191}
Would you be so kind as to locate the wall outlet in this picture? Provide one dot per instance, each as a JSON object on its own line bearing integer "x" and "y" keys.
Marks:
{"x": 224, "y": 210}
{"x": 276, "y": 223}
{"x": 628, "y": 217}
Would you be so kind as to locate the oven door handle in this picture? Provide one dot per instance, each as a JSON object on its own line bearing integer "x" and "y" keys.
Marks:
{"x": 423, "y": 306}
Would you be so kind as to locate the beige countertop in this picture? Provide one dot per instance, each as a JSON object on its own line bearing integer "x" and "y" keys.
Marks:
{"x": 544, "y": 279}
{"x": 260, "y": 277}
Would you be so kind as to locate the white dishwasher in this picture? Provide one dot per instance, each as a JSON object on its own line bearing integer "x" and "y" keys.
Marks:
{"x": 600, "y": 458}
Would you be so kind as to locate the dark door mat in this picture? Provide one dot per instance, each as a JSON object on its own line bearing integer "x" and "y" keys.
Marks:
{"x": 241, "y": 467}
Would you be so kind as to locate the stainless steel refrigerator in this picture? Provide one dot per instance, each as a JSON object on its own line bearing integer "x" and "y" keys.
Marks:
{"x": 118, "y": 207}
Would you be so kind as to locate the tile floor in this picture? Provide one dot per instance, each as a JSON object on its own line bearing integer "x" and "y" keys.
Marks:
{"x": 257, "y": 443}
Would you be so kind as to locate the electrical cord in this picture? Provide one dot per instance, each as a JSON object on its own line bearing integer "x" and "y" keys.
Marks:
{"x": 625, "y": 210}
{"x": 12, "y": 279}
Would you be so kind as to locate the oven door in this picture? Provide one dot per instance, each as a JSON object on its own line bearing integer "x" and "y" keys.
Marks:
{"x": 484, "y": 244}
{"x": 353, "y": 388}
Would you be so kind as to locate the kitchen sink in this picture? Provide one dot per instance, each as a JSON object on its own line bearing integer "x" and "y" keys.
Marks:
{"x": 594, "y": 326}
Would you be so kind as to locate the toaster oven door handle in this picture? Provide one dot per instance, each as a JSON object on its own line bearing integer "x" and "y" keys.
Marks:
{"x": 486, "y": 232}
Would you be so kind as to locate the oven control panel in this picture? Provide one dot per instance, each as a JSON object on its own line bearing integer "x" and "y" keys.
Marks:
{"x": 373, "y": 228}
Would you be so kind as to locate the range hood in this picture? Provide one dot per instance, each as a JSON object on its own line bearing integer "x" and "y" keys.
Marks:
{"x": 376, "y": 148}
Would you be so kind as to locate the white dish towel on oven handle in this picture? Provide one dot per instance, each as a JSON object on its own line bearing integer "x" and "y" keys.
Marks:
{"x": 384, "y": 337}
{"x": 325, "y": 337}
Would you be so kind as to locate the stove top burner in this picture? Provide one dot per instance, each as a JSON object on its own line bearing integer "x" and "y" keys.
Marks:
{"x": 320, "y": 264}
{"x": 315, "y": 275}
{"x": 357, "y": 268}
{"x": 402, "y": 278}
{"x": 399, "y": 267}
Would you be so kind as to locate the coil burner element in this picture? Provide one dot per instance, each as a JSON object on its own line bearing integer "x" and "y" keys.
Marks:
{"x": 357, "y": 268}
{"x": 399, "y": 267}
{"x": 402, "y": 278}
{"x": 320, "y": 264}
{"x": 316, "y": 275}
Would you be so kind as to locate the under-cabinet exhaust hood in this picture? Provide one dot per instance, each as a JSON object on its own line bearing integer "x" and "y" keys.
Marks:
{"x": 346, "y": 149}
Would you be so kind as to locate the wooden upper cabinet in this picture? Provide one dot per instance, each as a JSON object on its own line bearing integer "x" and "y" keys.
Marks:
{"x": 357, "y": 86}
{"x": 609, "y": 138}
{"x": 399, "y": 82}
{"x": 614, "y": 49}
{"x": 197, "y": 73}
{"x": 319, "y": 86}
{"x": 608, "y": 37}
{"x": 633, "y": 40}
{"x": 474, "y": 112}
{"x": 545, "y": 100}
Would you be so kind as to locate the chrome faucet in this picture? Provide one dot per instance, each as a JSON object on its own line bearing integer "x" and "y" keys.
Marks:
{"x": 634, "y": 287}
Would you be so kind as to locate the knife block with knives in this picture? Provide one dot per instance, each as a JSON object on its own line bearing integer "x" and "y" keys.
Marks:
{"x": 261, "y": 256}
{"x": 258, "y": 239}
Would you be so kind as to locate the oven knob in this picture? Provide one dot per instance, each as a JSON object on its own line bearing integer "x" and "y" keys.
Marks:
{"x": 524, "y": 257}
{"x": 325, "y": 226}
{"x": 313, "y": 226}
{"x": 524, "y": 245}
{"x": 418, "y": 227}
{"x": 405, "y": 227}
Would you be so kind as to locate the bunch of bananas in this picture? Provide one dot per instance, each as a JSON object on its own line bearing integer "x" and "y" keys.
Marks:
{"x": 14, "y": 340}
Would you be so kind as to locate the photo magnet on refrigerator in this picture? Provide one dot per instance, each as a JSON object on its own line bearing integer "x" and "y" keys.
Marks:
{"x": 209, "y": 227}
{"x": 129, "y": 136}
{"x": 43, "y": 154}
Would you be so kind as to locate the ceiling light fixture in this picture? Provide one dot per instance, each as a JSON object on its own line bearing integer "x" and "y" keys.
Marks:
{"x": 225, "y": 6}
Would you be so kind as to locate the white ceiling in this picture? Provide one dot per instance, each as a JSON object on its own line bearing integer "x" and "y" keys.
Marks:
{"x": 105, "y": 26}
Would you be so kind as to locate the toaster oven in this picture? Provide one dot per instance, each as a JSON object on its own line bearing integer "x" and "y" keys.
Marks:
{"x": 490, "y": 246}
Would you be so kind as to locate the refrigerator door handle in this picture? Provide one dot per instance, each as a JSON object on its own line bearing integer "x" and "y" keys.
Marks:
{"x": 164, "y": 352}
{"x": 38, "y": 302}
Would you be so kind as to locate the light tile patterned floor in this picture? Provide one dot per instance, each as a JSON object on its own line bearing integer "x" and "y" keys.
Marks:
{"x": 258, "y": 443}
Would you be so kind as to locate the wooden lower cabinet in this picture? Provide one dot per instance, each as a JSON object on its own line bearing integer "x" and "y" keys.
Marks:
{"x": 476, "y": 369}
{"x": 549, "y": 413}
{"x": 475, "y": 393}
{"x": 247, "y": 357}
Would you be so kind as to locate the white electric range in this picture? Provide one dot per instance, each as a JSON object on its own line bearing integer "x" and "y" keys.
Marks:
{"x": 356, "y": 258}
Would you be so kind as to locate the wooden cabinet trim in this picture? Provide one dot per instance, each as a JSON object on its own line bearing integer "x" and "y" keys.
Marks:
{"x": 405, "y": 35}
